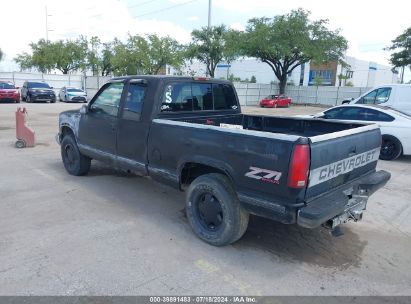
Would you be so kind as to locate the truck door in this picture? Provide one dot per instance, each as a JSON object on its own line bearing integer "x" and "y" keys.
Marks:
{"x": 132, "y": 129}
{"x": 98, "y": 127}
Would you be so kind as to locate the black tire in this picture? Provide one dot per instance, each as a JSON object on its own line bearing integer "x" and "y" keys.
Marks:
{"x": 75, "y": 163}
{"x": 20, "y": 144}
{"x": 391, "y": 148}
{"x": 224, "y": 221}
{"x": 28, "y": 99}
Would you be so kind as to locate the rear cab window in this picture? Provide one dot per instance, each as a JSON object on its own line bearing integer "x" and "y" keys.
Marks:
{"x": 192, "y": 96}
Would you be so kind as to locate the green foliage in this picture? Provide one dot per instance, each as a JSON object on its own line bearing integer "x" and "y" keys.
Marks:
{"x": 145, "y": 55}
{"x": 349, "y": 84}
{"x": 402, "y": 47}
{"x": 253, "y": 79}
{"x": 62, "y": 55}
{"x": 213, "y": 45}
{"x": 99, "y": 57}
{"x": 318, "y": 80}
{"x": 288, "y": 41}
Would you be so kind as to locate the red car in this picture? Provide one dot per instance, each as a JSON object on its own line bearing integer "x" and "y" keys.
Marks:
{"x": 274, "y": 101}
{"x": 8, "y": 92}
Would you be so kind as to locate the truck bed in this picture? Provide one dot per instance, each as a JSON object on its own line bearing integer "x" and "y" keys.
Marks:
{"x": 282, "y": 125}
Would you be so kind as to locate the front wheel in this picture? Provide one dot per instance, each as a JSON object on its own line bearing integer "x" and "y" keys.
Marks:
{"x": 214, "y": 211}
{"x": 74, "y": 162}
{"x": 391, "y": 148}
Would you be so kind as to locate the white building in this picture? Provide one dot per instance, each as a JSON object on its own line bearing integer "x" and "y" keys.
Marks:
{"x": 368, "y": 74}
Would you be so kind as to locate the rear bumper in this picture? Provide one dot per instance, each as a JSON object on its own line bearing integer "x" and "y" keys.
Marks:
{"x": 342, "y": 205}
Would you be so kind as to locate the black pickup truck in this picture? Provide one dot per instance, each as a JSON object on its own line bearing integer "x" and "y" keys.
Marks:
{"x": 190, "y": 133}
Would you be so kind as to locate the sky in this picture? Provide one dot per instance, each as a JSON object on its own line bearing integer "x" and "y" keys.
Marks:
{"x": 369, "y": 26}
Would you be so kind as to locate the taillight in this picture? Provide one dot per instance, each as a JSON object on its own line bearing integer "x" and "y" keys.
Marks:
{"x": 299, "y": 166}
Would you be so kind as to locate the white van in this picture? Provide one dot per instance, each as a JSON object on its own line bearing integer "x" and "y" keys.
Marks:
{"x": 396, "y": 96}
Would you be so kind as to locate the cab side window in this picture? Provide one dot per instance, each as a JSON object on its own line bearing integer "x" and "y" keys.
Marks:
{"x": 134, "y": 101}
{"x": 369, "y": 98}
{"x": 383, "y": 95}
{"x": 376, "y": 97}
{"x": 108, "y": 101}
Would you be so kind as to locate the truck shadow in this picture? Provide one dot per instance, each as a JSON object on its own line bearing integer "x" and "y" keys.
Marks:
{"x": 281, "y": 242}
{"x": 312, "y": 246}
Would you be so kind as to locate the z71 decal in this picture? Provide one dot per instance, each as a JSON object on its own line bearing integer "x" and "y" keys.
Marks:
{"x": 264, "y": 175}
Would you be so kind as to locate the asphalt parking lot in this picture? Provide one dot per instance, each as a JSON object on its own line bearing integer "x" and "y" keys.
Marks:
{"x": 110, "y": 233}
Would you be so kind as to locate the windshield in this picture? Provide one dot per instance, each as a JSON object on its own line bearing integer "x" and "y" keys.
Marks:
{"x": 74, "y": 90}
{"x": 38, "y": 85}
{"x": 6, "y": 85}
{"x": 271, "y": 96}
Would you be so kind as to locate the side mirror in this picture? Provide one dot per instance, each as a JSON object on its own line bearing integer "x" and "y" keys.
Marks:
{"x": 84, "y": 109}
{"x": 51, "y": 88}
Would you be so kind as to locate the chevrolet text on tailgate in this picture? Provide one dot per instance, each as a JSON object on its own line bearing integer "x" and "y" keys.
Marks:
{"x": 190, "y": 133}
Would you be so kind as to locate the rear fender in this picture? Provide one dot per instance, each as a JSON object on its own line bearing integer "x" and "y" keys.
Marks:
{"x": 206, "y": 161}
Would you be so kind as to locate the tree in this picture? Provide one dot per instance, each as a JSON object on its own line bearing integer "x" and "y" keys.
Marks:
{"x": 253, "y": 79}
{"x": 402, "y": 55}
{"x": 345, "y": 72}
{"x": 213, "y": 45}
{"x": 65, "y": 56}
{"x": 1, "y": 54}
{"x": 288, "y": 41}
{"x": 318, "y": 80}
{"x": 99, "y": 57}
{"x": 146, "y": 55}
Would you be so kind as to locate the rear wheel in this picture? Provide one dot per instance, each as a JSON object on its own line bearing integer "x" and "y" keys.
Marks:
{"x": 74, "y": 162}
{"x": 391, "y": 148}
{"x": 28, "y": 99}
{"x": 214, "y": 211}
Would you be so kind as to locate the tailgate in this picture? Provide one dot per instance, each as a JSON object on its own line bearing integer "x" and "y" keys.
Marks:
{"x": 340, "y": 157}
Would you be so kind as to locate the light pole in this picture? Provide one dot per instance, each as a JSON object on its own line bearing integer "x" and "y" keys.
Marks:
{"x": 209, "y": 14}
{"x": 47, "y": 26}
